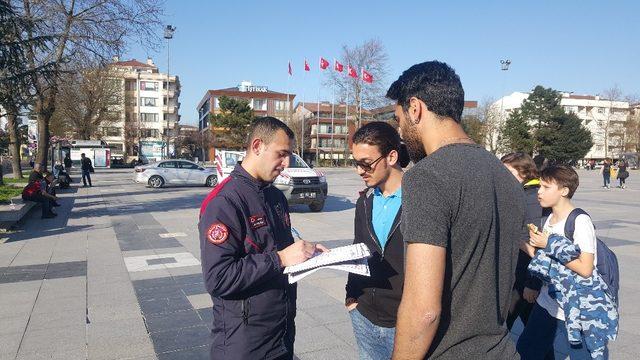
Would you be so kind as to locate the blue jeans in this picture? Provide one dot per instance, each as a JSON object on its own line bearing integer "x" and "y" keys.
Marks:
{"x": 544, "y": 335}
{"x": 374, "y": 342}
{"x": 86, "y": 175}
{"x": 607, "y": 178}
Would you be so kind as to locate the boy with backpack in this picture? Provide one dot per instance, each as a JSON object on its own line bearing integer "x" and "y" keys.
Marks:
{"x": 577, "y": 305}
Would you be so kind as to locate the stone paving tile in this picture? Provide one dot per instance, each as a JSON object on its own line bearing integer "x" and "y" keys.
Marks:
{"x": 41, "y": 341}
{"x": 52, "y": 320}
{"x": 207, "y": 317}
{"x": 178, "y": 339}
{"x": 77, "y": 354}
{"x": 196, "y": 353}
{"x": 172, "y": 321}
{"x": 164, "y": 305}
{"x": 9, "y": 343}
{"x": 317, "y": 338}
{"x": 124, "y": 347}
{"x": 102, "y": 313}
{"x": 200, "y": 301}
{"x": 333, "y": 353}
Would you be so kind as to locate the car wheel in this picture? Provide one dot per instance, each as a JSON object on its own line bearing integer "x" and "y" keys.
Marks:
{"x": 156, "y": 181}
{"x": 212, "y": 181}
{"x": 317, "y": 206}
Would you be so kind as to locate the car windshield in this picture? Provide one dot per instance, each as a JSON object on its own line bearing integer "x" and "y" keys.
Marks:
{"x": 296, "y": 162}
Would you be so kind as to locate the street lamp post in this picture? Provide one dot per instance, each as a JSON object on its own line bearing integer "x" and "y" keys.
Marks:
{"x": 168, "y": 34}
{"x": 504, "y": 66}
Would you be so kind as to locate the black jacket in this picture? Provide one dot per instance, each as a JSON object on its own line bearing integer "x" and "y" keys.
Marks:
{"x": 378, "y": 295}
{"x": 533, "y": 215}
{"x": 243, "y": 223}
{"x": 86, "y": 164}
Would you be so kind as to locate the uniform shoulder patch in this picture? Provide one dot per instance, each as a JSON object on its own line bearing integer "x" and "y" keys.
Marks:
{"x": 217, "y": 233}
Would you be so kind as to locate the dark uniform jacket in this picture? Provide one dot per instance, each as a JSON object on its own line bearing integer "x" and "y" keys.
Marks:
{"x": 378, "y": 295}
{"x": 243, "y": 223}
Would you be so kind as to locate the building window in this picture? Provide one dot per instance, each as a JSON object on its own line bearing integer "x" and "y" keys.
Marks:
{"x": 147, "y": 101}
{"x": 131, "y": 101}
{"x": 148, "y": 85}
{"x": 112, "y": 131}
{"x": 116, "y": 147}
{"x": 149, "y": 133}
{"x": 600, "y": 110}
{"x": 260, "y": 104}
{"x": 281, "y": 105}
{"x": 149, "y": 117}
{"x": 130, "y": 85}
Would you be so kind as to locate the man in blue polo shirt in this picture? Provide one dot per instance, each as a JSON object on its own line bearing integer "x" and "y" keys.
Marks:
{"x": 373, "y": 301}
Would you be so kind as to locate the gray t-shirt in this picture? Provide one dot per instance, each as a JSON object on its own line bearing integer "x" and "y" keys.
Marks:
{"x": 462, "y": 198}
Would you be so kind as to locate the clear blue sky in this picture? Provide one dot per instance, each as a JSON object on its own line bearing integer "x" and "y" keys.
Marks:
{"x": 580, "y": 46}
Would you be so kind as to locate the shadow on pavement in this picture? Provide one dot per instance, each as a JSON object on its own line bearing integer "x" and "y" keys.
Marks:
{"x": 331, "y": 204}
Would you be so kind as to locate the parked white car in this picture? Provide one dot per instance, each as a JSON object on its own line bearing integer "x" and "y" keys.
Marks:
{"x": 175, "y": 172}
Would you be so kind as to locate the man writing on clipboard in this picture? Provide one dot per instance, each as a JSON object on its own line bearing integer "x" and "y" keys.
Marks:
{"x": 245, "y": 243}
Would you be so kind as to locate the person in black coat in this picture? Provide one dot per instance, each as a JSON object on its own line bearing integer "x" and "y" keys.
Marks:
{"x": 87, "y": 168}
{"x": 526, "y": 287}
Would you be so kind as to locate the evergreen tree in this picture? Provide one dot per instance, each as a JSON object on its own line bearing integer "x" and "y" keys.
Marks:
{"x": 516, "y": 134}
{"x": 231, "y": 125}
{"x": 541, "y": 127}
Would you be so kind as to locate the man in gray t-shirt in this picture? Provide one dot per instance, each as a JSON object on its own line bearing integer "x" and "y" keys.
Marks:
{"x": 463, "y": 214}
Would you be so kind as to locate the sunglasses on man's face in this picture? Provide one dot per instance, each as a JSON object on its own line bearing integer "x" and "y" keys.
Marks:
{"x": 366, "y": 166}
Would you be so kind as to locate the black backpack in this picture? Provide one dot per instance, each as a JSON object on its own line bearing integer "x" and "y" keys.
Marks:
{"x": 607, "y": 263}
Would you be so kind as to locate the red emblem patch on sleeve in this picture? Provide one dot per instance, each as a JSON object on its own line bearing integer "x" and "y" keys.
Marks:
{"x": 217, "y": 233}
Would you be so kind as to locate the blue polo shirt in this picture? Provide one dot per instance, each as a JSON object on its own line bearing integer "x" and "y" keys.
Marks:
{"x": 385, "y": 209}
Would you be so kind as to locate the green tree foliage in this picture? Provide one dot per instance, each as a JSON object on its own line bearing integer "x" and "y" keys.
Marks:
{"x": 475, "y": 128}
{"x": 542, "y": 127}
{"x": 231, "y": 125}
{"x": 571, "y": 142}
{"x": 516, "y": 134}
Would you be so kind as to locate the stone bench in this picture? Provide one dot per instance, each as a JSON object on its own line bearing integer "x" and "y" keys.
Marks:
{"x": 12, "y": 213}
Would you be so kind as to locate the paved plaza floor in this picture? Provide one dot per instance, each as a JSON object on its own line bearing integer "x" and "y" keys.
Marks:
{"x": 117, "y": 275}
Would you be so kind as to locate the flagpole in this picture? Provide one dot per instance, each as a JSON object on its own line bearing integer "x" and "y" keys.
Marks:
{"x": 333, "y": 128}
{"x": 346, "y": 123}
{"x": 318, "y": 129}
{"x": 361, "y": 91}
{"x": 304, "y": 75}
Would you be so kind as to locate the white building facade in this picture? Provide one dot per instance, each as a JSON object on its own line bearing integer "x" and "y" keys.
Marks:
{"x": 149, "y": 111}
{"x": 604, "y": 118}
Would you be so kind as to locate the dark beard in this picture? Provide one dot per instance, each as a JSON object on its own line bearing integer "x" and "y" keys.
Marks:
{"x": 414, "y": 145}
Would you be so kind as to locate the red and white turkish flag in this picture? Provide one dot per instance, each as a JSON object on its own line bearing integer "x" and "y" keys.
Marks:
{"x": 306, "y": 65}
{"x": 352, "y": 72}
{"x": 366, "y": 77}
{"x": 324, "y": 64}
{"x": 338, "y": 67}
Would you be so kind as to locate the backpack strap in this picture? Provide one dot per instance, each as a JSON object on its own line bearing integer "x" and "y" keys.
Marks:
{"x": 570, "y": 224}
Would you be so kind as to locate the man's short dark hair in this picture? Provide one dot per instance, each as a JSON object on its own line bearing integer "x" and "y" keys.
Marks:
{"x": 82, "y": 154}
{"x": 563, "y": 176}
{"x": 380, "y": 134}
{"x": 265, "y": 128}
{"x": 433, "y": 82}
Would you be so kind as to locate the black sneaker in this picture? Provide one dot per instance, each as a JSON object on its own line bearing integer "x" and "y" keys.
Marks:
{"x": 49, "y": 216}
{"x": 56, "y": 204}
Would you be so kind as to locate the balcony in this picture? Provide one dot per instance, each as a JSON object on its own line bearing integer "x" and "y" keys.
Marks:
{"x": 170, "y": 109}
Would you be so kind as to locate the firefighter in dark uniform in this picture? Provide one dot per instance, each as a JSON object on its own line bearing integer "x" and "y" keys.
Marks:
{"x": 245, "y": 243}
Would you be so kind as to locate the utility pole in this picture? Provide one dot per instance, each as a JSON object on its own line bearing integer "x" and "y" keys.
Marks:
{"x": 168, "y": 34}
